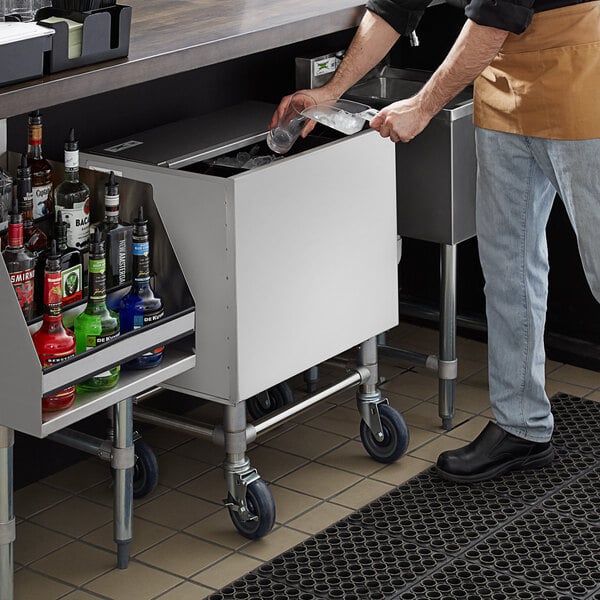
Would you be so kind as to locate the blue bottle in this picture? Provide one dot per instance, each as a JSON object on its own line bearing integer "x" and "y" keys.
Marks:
{"x": 141, "y": 306}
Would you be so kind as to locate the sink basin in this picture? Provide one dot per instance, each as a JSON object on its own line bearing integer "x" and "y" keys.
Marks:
{"x": 389, "y": 84}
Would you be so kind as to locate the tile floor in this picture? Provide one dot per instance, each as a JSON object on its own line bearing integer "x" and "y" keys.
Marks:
{"x": 185, "y": 545}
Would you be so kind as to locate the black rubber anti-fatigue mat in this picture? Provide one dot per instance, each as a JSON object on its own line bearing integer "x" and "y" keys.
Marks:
{"x": 530, "y": 535}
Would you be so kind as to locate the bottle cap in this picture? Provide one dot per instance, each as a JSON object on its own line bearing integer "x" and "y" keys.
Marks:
{"x": 23, "y": 169}
{"x": 53, "y": 258}
{"x": 35, "y": 118}
{"x": 140, "y": 223}
{"x": 15, "y": 213}
{"x": 71, "y": 144}
{"x": 96, "y": 244}
{"x": 112, "y": 187}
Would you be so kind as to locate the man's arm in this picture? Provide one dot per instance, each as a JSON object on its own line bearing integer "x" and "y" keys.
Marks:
{"x": 372, "y": 41}
{"x": 473, "y": 51}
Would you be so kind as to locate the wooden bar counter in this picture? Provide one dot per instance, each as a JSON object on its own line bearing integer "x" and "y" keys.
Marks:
{"x": 174, "y": 36}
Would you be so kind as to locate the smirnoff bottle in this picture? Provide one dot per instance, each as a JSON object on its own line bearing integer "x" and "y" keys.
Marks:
{"x": 117, "y": 236}
{"x": 53, "y": 342}
{"x": 72, "y": 198}
{"x": 97, "y": 324}
{"x": 71, "y": 267}
{"x": 141, "y": 306}
{"x": 20, "y": 263}
{"x": 41, "y": 170}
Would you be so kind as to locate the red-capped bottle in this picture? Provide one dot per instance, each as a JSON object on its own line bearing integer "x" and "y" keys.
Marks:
{"x": 20, "y": 263}
{"x": 53, "y": 342}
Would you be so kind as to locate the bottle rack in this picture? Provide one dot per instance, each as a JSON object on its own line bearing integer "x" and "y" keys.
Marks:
{"x": 24, "y": 380}
{"x": 105, "y": 36}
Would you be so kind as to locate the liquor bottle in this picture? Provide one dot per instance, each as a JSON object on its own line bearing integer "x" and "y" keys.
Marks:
{"x": 97, "y": 324}
{"x": 71, "y": 267}
{"x": 33, "y": 237}
{"x": 53, "y": 342}
{"x": 20, "y": 263}
{"x": 141, "y": 306}
{"x": 72, "y": 197}
{"x": 6, "y": 193}
{"x": 41, "y": 170}
{"x": 117, "y": 236}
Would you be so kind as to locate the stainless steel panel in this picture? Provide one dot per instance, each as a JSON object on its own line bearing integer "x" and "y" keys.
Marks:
{"x": 435, "y": 172}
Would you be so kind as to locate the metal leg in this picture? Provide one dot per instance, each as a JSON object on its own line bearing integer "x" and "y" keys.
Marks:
{"x": 448, "y": 363}
{"x": 238, "y": 472}
{"x": 311, "y": 378}
{"x": 123, "y": 460}
{"x": 368, "y": 396}
{"x": 7, "y": 517}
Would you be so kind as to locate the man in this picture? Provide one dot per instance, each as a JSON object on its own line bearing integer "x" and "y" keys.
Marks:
{"x": 536, "y": 68}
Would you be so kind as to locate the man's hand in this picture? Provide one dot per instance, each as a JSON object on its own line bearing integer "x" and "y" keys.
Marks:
{"x": 402, "y": 120}
{"x": 320, "y": 95}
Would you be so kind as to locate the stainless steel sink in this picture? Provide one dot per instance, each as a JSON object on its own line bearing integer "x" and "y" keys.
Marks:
{"x": 435, "y": 172}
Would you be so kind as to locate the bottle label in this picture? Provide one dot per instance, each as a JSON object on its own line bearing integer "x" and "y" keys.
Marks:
{"x": 35, "y": 135}
{"x": 93, "y": 341}
{"x": 22, "y": 282}
{"x": 146, "y": 319}
{"x": 78, "y": 224}
{"x": 72, "y": 284}
{"x": 141, "y": 256}
{"x": 15, "y": 234}
{"x": 111, "y": 205}
{"x": 97, "y": 268}
{"x": 49, "y": 360}
{"x": 41, "y": 200}
{"x": 53, "y": 294}
{"x": 71, "y": 160}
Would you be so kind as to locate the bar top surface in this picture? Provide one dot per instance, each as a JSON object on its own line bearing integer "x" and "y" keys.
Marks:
{"x": 173, "y": 36}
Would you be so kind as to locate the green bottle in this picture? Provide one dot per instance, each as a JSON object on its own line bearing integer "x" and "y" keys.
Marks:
{"x": 97, "y": 324}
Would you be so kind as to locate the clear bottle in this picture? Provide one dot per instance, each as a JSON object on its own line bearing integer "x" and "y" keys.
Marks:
{"x": 41, "y": 169}
{"x": 33, "y": 237}
{"x": 20, "y": 263}
{"x": 97, "y": 324}
{"x": 6, "y": 193}
{"x": 53, "y": 342}
{"x": 117, "y": 235}
{"x": 72, "y": 198}
{"x": 141, "y": 306}
{"x": 71, "y": 267}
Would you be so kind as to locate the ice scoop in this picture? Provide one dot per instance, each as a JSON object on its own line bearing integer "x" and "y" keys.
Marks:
{"x": 345, "y": 116}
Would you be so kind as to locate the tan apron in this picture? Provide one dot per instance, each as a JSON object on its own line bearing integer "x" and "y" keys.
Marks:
{"x": 546, "y": 81}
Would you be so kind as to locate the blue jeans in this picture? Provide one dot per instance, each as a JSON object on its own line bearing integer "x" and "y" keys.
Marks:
{"x": 517, "y": 180}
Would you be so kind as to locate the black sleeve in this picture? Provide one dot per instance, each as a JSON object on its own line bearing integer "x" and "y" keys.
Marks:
{"x": 510, "y": 15}
{"x": 402, "y": 15}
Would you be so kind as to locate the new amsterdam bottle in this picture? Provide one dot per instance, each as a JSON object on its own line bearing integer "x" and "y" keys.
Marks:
{"x": 72, "y": 198}
{"x": 117, "y": 237}
{"x": 70, "y": 264}
{"x": 53, "y": 342}
{"x": 97, "y": 324}
{"x": 141, "y": 306}
{"x": 20, "y": 263}
{"x": 41, "y": 170}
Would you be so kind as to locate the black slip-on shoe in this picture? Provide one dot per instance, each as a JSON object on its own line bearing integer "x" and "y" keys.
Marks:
{"x": 493, "y": 452}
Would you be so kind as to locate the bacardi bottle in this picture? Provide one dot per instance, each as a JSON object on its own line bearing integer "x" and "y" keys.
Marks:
{"x": 41, "y": 170}
{"x": 71, "y": 267}
{"x": 97, "y": 324}
{"x": 20, "y": 263}
{"x": 117, "y": 236}
{"x": 141, "y": 306}
{"x": 72, "y": 198}
{"x": 53, "y": 342}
